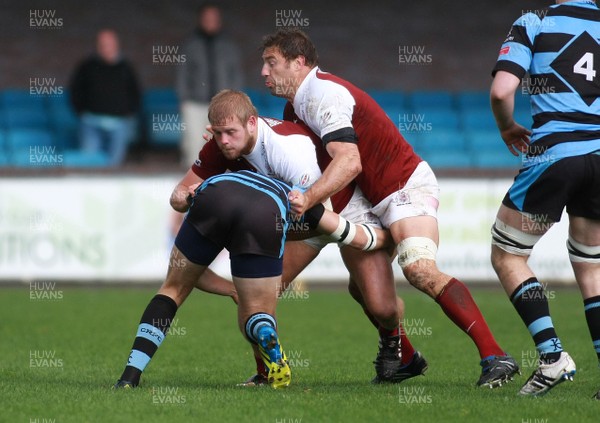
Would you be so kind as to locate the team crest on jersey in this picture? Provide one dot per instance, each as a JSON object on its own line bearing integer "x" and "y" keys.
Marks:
{"x": 304, "y": 180}
{"x": 272, "y": 122}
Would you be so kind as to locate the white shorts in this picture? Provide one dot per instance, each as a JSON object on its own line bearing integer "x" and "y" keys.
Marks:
{"x": 419, "y": 197}
{"x": 358, "y": 211}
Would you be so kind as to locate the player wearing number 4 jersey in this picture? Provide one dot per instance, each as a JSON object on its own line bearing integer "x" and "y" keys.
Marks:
{"x": 559, "y": 47}
{"x": 360, "y": 143}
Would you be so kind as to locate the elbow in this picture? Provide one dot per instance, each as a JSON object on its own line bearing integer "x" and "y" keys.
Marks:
{"x": 178, "y": 202}
{"x": 355, "y": 165}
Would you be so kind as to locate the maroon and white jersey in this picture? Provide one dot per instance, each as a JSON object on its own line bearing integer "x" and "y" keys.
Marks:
{"x": 334, "y": 109}
{"x": 283, "y": 150}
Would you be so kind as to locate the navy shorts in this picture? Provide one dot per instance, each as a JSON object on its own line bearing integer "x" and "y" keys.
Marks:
{"x": 545, "y": 189}
{"x": 239, "y": 218}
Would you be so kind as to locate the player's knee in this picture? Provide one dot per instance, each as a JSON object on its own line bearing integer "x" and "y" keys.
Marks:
{"x": 416, "y": 257}
{"x": 580, "y": 253}
{"x": 511, "y": 240}
{"x": 386, "y": 313}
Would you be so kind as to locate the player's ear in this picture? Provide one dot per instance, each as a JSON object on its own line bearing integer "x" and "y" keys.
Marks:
{"x": 299, "y": 62}
{"x": 252, "y": 123}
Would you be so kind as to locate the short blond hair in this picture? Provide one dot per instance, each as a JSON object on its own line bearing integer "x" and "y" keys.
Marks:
{"x": 229, "y": 103}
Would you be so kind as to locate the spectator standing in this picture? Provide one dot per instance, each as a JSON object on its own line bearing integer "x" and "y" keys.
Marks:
{"x": 212, "y": 64}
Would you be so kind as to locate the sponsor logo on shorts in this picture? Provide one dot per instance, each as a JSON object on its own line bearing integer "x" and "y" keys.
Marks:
{"x": 504, "y": 50}
{"x": 401, "y": 199}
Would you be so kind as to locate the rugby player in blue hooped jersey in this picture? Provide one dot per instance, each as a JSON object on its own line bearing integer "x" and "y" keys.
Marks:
{"x": 559, "y": 48}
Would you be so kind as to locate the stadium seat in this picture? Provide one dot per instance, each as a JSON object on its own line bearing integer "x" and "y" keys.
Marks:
{"x": 523, "y": 117}
{"x": 163, "y": 126}
{"x": 160, "y": 98}
{"x": 440, "y": 120}
{"x": 79, "y": 159}
{"x": 26, "y": 118}
{"x": 23, "y": 139}
{"x": 478, "y": 119}
{"x": 273, "y": 107}
{"x": 473, "y": 100}
{"x": 4, "y": 151}
{"x": 32, "y": 148}
{"x": 20, "y": 98}
{"x": 257, "y": 96}
{"x": 447, "y": 160}
{"x": 484, "y": 140}
{"x": 449, "y": 140}
{"x": 430, "y": 99}
{"x": 389, "y": 98}
{"x": 488, "y": 159}
{"x": 63, "y": 118}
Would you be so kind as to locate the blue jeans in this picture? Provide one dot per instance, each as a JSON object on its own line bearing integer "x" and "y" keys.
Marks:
{"x": 109, "y": 134}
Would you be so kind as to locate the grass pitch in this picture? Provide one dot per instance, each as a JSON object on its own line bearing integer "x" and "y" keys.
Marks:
{"x": 60, "y": 353}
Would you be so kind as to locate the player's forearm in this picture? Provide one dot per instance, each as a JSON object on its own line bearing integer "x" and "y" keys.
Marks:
{"x": 502, "y": 98}
{"x": 340, "y": 172}
{"x": 503, "y": 109}
{"x": 358, "y": 236}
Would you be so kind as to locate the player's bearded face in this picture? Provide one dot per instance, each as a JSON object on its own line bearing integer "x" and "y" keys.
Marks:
{"x": 278, "y": 74}
{"x": 232, "y": 138}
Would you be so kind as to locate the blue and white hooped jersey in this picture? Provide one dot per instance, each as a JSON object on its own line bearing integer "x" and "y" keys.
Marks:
{"x": 560, "y": 49}
{"x": 274, "y": 188}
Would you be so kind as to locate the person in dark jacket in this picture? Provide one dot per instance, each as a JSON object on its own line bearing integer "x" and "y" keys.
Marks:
{"x": 106, "y": 95}
{"x": 213, "y": 63}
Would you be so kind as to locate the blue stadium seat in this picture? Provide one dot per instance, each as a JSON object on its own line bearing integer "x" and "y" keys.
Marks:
{"x": 488, "y": 159}
{"x": 67, "y": 138}
{"x": 441, "y": 119}
{"x": 389, "y": 98}
{"x": 273, "y": 107}
{"x": 63, "y": 118}
{"x": 4, "y": 151}
{"x": 430, "y": 99}
{"x": 485, "y": 140}
{"x": 21, "y": 99}
{"x": 4, "y": 159}
{"x": 24, "y": 117}
{"x": 450, "y": 140}
{"x": 164, "y": 126}
{"x": 523, "y": 117}
{"x": 33, "y": 148}
{"x": 447, "y": 160}
{"x": 478, "y": 119}
{"x": 257, "y": 96}
{"x": 79, "y": 159}
{"x": 24, "y": 139}
{"x": 522, "y": 101}
{"x": 160, "y": 98}
{"x": 469, "y": 100}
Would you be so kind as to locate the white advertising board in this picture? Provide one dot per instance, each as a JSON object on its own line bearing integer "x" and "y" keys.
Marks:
{"x": 120, "y": 229}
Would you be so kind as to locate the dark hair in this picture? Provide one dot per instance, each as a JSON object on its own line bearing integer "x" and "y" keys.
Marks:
{"x": 291, "y": 43}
